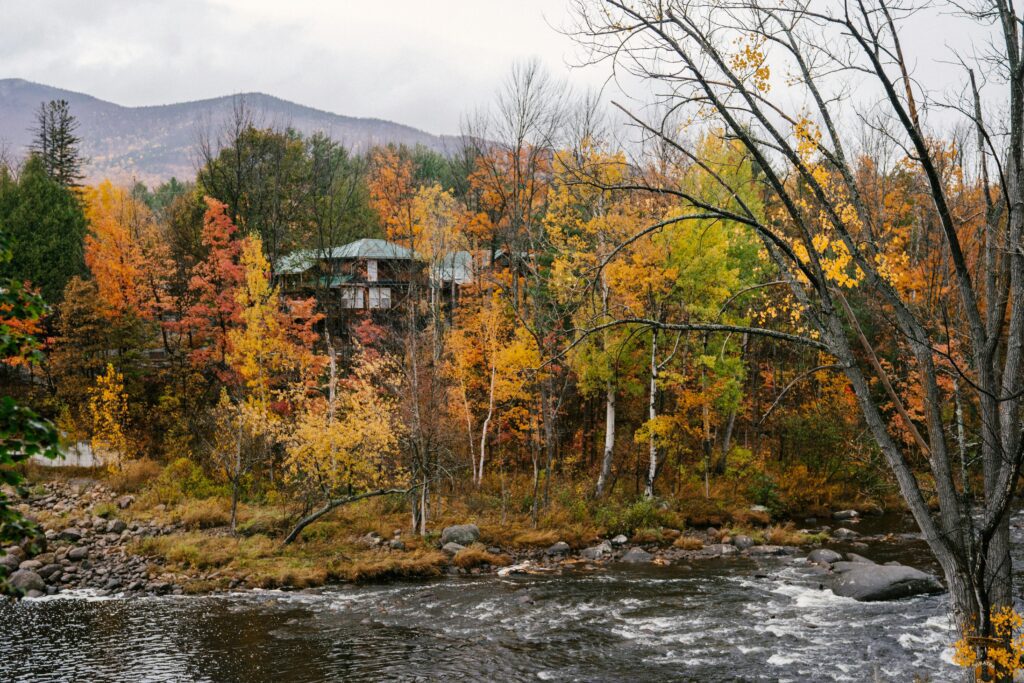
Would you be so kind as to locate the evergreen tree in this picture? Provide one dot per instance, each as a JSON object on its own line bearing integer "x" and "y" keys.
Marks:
{"x": 46, "y": 226}
{"x": 56, "y": 143}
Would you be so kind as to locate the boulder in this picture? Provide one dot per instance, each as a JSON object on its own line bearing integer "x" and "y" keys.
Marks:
{"x": 767, "y": 550}
{"x": 823, "y": 556}
{"x": 637, "y": 556}
{"x": 9, "y": 562}
{"x": 50, "y": 572}
{"x": 620, "y": 540}
{"x": 854, "y": 557}
{"x": 597, "y": 552}
{"x": 452, "y": 548}
{"x": 873, "y": 582}
{"x": 70, "y": 534}
{"x": 845, "y": 514}
{"x": 743, "y": 542}
{"x": 27, "y": 580}
{"x": 30, "y": 565}
{"x": 116, "y": 526}
{"x": 844, "y": 534}
{"x": 720, "y": 550}
{"x": 79, "y": 553}
{"x": 560, "y": 548}
{"x": 463, "y": 534}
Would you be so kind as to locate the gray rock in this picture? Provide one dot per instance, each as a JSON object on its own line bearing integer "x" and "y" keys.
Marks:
{"x": 620, "y": 540}
{"x": 720, "y": 549}
{"x": 854, "y": 557}
{"x": 79, "y": 553}
{"x": 597, "y": 552}
{"x": 463, "y": 534}
{"x": 823, "y": 556}
{"x": 27, "y": 580}
{"x": 34, "y": 593}
{"x": 743, "y": 542}
{"x": 70, "y": 534}
{"x": 116, "y": 526}
{"x": 767, "y": 550}
{"x": 125, "y": 501}
{"x": 30, "y": 565}
{"x": 842, "y": 533}
{"x": 560, "y": 548}
{"x": 637, "y": 556}
{"x": 452, "y": 548}
{"x": 873, "y": 582}
{"x": 845, "y": 514}
{"x": 16, "y": 551}
{"x": 396, "y": 544}
{"x": 758, "y": 508}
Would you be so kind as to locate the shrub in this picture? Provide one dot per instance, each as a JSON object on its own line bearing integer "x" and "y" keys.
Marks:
{"x": 184, "y": 479}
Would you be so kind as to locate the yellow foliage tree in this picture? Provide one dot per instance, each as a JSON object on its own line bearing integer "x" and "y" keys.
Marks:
{"x": 108, "y": 405}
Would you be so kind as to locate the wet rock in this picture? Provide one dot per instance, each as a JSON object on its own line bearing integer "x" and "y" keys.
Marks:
{"x": 767, "y": 550}
{"x": 842, "y": 533}
{"x": 637, "y": 556}
{"x": 823, "y": 556}
{"x": 845, "y": 514}
{"x": 873, "y": 582}
{"x": 620, "y": 540}
{"x": 719, "y": 550}
{"x": 558, "y": 549}
{"x": 743, "y": 542}
{"x": 452, "y": 548}
{"x": 462, "y": 534}
{"x": 854, "y": 557}
{"x": 27, "y": 580}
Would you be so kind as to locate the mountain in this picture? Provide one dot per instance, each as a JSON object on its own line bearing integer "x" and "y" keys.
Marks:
{"x": 153, "y": 143}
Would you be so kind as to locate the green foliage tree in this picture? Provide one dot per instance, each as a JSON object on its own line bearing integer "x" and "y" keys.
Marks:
{"x": 56, "y": 143}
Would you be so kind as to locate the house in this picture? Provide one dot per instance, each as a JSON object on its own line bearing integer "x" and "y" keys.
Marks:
{"x": 368, "y": 274}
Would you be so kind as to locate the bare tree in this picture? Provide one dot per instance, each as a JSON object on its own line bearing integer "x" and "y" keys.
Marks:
{"x": 715, "y": 61}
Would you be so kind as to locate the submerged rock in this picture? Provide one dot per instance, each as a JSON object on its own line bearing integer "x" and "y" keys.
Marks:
{"x": 637, "y": 556}
{"x": 873, "y": 582}
{"x": 463, "y": 534}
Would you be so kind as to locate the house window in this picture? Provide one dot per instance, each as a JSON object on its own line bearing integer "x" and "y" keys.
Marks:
{"x": 351, "y": 297}
{"x": 371, "y": 271}
{"x": 380, "y": 297}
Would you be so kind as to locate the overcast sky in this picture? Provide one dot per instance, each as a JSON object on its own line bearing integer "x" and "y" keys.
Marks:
{"x": 420, "y": 62}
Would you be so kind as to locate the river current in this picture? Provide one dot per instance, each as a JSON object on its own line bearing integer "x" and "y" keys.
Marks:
{"x": 713, "y": 620}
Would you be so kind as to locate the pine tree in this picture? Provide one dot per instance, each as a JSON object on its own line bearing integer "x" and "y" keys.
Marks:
{"x": 56, "y": 143}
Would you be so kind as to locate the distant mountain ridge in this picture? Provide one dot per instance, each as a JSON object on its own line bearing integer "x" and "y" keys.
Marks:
{"x": 154, "y": 143}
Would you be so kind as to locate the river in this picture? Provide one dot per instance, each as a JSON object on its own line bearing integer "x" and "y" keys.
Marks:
{"x": 716, "y": 620}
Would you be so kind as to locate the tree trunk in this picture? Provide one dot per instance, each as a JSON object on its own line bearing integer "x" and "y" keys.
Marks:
{"x": 609, "y": 439}
{"x": 652, "y": 413}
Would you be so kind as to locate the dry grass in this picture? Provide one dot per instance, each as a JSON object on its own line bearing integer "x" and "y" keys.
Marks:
{"x": 203, "y": 514}
{"x": 476, "y": 556}
{"x": 204, "y": 551}
{"x": 422, "y": 562}
{"x": 134, "y": 475}
{"x": 787, "y": 535}
{"x": 688, "y": 543}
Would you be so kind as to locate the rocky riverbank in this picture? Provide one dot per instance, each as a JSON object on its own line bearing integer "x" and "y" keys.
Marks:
{"x": 92, "y": 537}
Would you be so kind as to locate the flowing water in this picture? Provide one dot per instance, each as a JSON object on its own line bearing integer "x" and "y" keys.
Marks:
{"x": 710, "y": 620}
